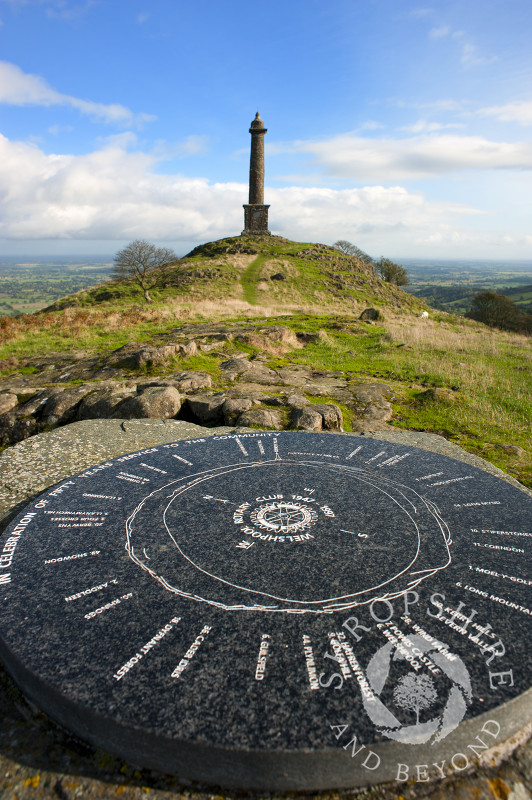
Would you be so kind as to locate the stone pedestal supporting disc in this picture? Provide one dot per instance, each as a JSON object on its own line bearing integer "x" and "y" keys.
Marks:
{"x": 276, "y": 610}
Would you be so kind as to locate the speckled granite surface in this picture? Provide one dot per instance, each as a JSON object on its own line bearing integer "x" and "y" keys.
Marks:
{"x": 38, "y": 760}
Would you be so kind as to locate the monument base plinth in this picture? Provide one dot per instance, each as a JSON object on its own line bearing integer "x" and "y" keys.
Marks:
{"x": 256, "y": 220}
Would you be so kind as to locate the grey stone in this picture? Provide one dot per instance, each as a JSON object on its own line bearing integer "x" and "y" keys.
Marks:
{"x": 331, "y": 415}
{"x": 235, "y": 366}
{"x": 370, "y": 314}
{"x": 278, "y": 276}
{"x": 207, "y": 408}
{"x": 262, "y": 417}
{"x": 102, "y": 403}
{"x": 188, "y": 381}
{"x": 297, "y": 400}
{"x": 62, "y": 407}
{"x": 188, "y": 349}
{"x": 307, "y": 419}
{"x": 150, "y": 356}
{"x": 371, "y": 392}
{"x": 281, "y": 334}
{"x": 259, "y": 373}
{"x": 233, "y": 407}
{"x": 361, "y": 425}
{"x": 153, "y": 403}
{"x": 8, "y": 401}
{"x": 15, "y": 427}
{"x": 35, "y": 405}
{"x": 272, "y": 400}
{"x": 381, "y": 410}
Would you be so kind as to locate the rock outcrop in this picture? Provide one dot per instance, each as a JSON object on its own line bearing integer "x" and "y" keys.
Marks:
{"x": 253, "y": 385}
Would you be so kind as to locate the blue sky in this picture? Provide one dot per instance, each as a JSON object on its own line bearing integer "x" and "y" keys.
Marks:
{"x": 401, "y": 126}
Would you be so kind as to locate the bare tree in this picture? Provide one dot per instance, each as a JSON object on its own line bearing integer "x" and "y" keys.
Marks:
{"x": 392, "y": 272}
{"x": 415, "y": 692}
{"x": 351, "y": 249}
{"x": 142, "y": 262}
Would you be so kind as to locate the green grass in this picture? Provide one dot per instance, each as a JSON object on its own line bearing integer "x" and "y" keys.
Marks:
{"x": 250, "y": 277}
{"x": 488, "y": 373}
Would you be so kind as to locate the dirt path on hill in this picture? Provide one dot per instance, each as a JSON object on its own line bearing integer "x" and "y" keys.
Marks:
{"x": 249, "y": 280}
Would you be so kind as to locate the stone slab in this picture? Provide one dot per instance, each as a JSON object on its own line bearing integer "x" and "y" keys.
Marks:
{"x": 238, "y": 609}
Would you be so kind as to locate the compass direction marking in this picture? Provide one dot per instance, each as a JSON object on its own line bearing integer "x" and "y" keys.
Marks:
{"x": 427, "y": 477}
{"x": 382, "y": 453}
{"x": 361, "y": 535}
{"x": 182, "y": 459}
{"x": 244, "y": 545}
{"x": 218, "y": 499}
{"x": 452, "y": 480}
{"x": 393, "y": 460}
{"x": 358, "y": 449}
{"x": 155, "y": 469}
{"x": 239, "y": 443}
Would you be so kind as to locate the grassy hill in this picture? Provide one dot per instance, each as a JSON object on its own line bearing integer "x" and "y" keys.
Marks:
{"x": 446, "y": 374}
{"x": 237, "y": 272}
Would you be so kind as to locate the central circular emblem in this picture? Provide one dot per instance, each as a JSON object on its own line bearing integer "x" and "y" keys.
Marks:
{"x": 283, "y": 517}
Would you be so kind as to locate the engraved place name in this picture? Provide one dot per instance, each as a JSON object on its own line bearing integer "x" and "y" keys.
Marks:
{"x": 191, "y": 652}
{"x": 501, "y": 533}
{"x": 310, "y": 663}
{"x": 77, "y": 519}
{"x": 112, "y": 603}
{"x": 494, "y": 574}
{"x": 406, "y": 647}
{"x": 145, "y": 649}
{"x": 262, "y": 658}
{"x": 154, "y": 469}
{"x": 85, "y": 592}
{"x": 477, "y": 503}
{"x": 453, "y": 480}
{"x": 499, "y": 547}
{"x": 131, "y": 477}
{"x": 73, "y": 557}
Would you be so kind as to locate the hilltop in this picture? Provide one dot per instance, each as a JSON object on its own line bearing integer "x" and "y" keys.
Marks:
{"x": 266, "y": 332}
{"x": 250, "y": 273}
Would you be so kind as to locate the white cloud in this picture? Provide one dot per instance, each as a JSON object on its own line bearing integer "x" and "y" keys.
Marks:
{"x": 371, "y": 125}
{"x": 445, "y": 104}
{"x": 418, "y": 13}
{"x": 471, "y": 57}
{"x": 512, "y": 112}
{"x": 20, "y": 88}
{"x": 60, "y": 9}
{"x": 112, "y": 194}
{"x": 56, "y": 129}
{"x": 356, "y": 158}
{"x": 191, "y": 146}
{"x": 423, "y": 126}
{"x": 440, "y": 33}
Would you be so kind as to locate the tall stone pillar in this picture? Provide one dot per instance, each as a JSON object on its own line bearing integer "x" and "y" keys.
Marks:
{"x": 256, "y": 213}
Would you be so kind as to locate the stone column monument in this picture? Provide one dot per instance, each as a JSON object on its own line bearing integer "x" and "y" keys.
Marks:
{"x": 256, "y": 213}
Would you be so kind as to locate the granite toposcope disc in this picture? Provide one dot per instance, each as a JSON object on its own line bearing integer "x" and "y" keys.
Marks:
{"x": 276, "y": 610}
